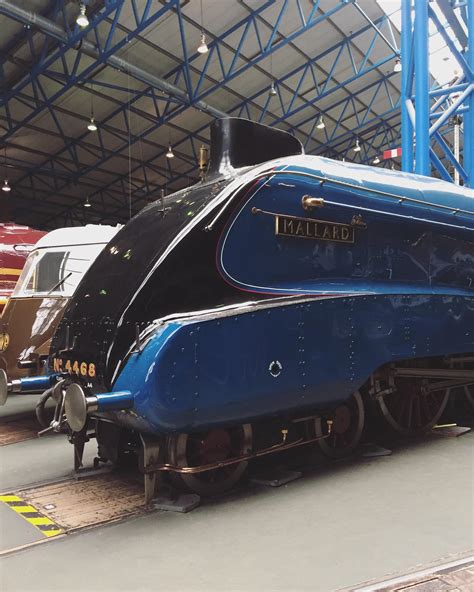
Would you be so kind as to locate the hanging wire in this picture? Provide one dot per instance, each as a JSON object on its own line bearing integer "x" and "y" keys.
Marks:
{"x": 129, "y": 125}
{"x": 140, "y": 144}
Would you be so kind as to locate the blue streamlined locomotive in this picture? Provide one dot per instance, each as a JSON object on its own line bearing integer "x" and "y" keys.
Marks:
{"x": 262, "y": 308}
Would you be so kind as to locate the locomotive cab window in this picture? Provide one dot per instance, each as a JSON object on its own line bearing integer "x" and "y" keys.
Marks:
{"x": 55, "y": 271}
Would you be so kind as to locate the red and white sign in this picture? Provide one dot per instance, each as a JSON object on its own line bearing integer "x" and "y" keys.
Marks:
{"x": 392, "y": 153}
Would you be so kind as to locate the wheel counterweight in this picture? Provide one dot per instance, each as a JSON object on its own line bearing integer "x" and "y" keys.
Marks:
{"x": 202, "y": 448}
{"x": 348, "y": 424}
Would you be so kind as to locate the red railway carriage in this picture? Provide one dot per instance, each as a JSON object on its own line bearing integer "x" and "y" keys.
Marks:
{"x": 16, "y": 242}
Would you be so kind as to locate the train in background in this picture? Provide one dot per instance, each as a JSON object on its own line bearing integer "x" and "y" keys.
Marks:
{"x": 263, "y": 308}
{"x": 49, "y": 279}
{"x": 16, "y": 242}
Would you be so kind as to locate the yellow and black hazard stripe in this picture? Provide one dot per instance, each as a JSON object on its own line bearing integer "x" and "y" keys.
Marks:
{"x": 31, "y": 515}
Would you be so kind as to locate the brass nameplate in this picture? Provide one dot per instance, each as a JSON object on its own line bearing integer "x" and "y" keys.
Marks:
{"x": 314, "y": 229}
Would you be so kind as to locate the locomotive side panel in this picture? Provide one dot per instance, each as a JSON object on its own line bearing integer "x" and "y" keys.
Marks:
{"x": 348, "y": 243}
{"x": 285, "y": 359}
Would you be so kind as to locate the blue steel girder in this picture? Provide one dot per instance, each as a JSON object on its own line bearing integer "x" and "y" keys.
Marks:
{"x": 230, "y": 71}
{"x": 37, "y": 51}
{"x": 106, "y": 47}
{"x": 69, "y": 81}
{"x": 106, "y": 44}
{"x": 322, "y": 83}
{"x": 431, "y": 109}
{"x": 150, "y": 91}
{"x": 244, "y": 33}
{"x": 346, "y": 108}
{"x": 306, "y": 23}
{"x": 390, "y": 133}
{"x": 383, "y": 137}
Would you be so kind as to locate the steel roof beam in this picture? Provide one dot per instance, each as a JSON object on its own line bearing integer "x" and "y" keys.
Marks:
{"x": 102, "y": 52}
{"x": 238, "y": 109}
{"x": 430, "y": 109}
{"x": 230, "y": 70}
{"x": 348, "y": 109}
{"x": 312, "y": 20}
{"x": 306, "y": 24}
{"x": 308, "y": 71}
{"x": 453, "y": 21}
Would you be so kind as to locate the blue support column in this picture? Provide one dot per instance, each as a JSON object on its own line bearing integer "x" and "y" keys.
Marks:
{"x": 422, "y": 163}
{"x": 469, "y": 115}
{"x": 407, "y": 72}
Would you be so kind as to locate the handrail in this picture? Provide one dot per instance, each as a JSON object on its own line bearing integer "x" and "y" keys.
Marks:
{"x": 399, "y": 198}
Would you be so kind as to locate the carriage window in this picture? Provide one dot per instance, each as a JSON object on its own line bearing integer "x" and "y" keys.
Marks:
{"x": 56, "y": 271}
{"x": 48, "y": 272}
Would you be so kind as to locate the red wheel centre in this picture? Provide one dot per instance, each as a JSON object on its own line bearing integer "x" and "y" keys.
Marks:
{"x": 215, "y": 446}
{"x": 341, "y": 419}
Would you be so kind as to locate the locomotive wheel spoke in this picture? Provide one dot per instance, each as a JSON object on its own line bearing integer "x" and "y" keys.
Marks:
{"x": 421, "y": 409}
{"x": 463, "y": 396}
{"x": 347, "y": 427}
{"x": 206, "y": 448}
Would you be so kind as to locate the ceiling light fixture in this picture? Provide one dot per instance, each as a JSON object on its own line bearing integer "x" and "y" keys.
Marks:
{"x": 5, "y": 187}
{"x": 87, "y": 203}
{"x": 320, "y": 124}
{"x": 357, "y": 146}
{"x": 376, "y": 160}
{"x": 272, "y": 92}
{"x": 82, "y": 19}
{"x": 170, "y": 153}
{"x": 202, "y": 47}
{"x": 92, "y": 126}
{"x": 398, "y": 65}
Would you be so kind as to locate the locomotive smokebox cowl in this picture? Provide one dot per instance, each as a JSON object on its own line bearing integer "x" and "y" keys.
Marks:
{"x": 238, "y": 143}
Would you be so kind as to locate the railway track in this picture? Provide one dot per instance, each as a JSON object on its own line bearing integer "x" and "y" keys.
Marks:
{"x": 97, "y": 497}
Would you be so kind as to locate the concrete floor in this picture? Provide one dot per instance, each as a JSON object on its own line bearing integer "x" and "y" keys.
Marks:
{"x": 333, "y": 528}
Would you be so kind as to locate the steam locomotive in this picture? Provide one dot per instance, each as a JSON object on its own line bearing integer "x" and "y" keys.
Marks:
{"x": 260, "y": 310}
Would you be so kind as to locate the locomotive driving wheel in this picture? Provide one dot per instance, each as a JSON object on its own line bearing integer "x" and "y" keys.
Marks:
{"x": 205, "y": 448}
{"x": 463, "y": 395}
{"x": 411, "y": 408}
{"x": 346, "y": 430}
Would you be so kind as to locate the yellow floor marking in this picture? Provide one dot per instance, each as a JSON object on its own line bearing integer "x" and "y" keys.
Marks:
{"x": 22, "y": 509}
{"x": 40, "y": 521}
{"x": 52, "y": 533}
{"x": 9, "y": 498}
{"x": 29, "y": 513}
